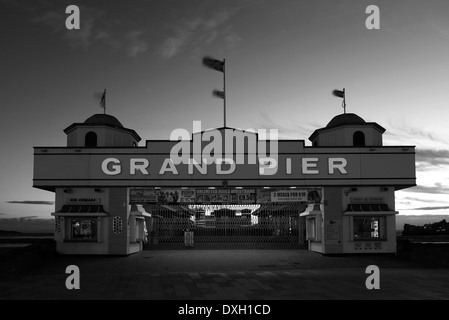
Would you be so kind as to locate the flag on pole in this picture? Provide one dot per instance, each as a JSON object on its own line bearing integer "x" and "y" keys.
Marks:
{"x": 218, "y": 94}
{"x": 341, "y": 94}
{"x": 103, "y": 101}
{"x": 338, "y": 93}
{"x": 214, "y": 64}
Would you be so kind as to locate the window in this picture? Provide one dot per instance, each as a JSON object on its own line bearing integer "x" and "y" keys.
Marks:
{"x": 90, "y": 139}
{"x": 358, "y": 139}
{"x": 83, "y": 229}
{"x": 368, "y": 228}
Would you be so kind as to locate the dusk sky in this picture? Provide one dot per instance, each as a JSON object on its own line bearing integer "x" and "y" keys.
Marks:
{"x": 283, "y": 59}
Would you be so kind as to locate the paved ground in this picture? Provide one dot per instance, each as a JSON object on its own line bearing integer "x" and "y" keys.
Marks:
{"x": 227, "y": 274}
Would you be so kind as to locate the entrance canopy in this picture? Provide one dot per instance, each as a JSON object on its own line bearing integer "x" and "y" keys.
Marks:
{"x": 370, "y": 209}
{"x": 85, "y": 210}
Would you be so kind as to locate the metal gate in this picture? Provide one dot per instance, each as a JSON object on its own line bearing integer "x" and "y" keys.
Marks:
{"x": 225, "y": 226}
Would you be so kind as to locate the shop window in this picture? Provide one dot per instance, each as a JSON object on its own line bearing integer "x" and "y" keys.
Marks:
{"x": 368, "y": 228}
{"x": 83, "y": 229}
{"x": 90, "y": 139}
{"x": 358, "y": 139}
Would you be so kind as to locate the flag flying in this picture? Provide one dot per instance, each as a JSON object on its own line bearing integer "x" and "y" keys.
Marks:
{"x": 213, "y": 63}
{"x": 218, "y": 94}
{"x": 339, "y": 93}
{"x": 103, "y": 100}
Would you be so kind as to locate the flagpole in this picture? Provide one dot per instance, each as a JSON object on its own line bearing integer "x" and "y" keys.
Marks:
{"x": 224, "y": 92}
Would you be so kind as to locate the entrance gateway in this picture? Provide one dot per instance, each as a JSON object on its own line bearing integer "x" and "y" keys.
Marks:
{"x": 115, "y": 197}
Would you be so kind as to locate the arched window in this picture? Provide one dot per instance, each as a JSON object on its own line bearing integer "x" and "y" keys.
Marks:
{"x": 90, "y": 139}
{"x": 358, "y": 139}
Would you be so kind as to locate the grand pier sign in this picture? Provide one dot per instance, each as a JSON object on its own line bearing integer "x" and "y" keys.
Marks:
{"x": 185, "y": 163}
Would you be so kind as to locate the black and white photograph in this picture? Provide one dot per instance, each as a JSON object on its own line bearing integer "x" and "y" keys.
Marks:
{"x": 224, "y": 158}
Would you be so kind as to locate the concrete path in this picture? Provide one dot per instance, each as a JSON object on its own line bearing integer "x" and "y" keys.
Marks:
{"x": 227, "y": 274}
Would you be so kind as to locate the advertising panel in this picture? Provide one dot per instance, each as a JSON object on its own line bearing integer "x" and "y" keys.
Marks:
{"x": 161, "y": 196}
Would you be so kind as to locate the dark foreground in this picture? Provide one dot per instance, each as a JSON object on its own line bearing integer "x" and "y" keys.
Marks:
{"x": 218, "y": 274}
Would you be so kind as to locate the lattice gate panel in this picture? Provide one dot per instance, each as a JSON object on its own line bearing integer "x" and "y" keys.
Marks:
{"x": 269, "y": 227}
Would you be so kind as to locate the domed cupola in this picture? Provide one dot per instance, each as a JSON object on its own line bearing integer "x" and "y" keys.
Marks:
{"x": 345, "y": 119}
{"x": 103, "y": 119}
{"x": 101, "y": 130}
{"x": 348, "y": 130}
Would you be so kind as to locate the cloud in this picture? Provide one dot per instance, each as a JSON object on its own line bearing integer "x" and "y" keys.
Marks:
{"x": 404, "y": 132}
{"x": 432, "y": 157}
{"x": 85, "y": 35}
{"x": 441, "y": 27}
{"x": 94, "y": 29}
{"x": 88, "y": 33}
{"x": 173, "y": 45}
{"x": 431, "y": 208}
{"x": 415, "y": 199}
{"x": 33, "y": 202}
{"x": 198, "y": 32}
{"x": 52, "y": 19}
{"x": 107, "y": 38}
{"x": 438, "y": 188}
{"x": 135, "y": 45}
{"x": 232, "y": 40}
{"x": 287, "y": 129}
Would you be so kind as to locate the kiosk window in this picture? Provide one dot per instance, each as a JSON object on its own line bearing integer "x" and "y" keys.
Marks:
{"x": 83, "y": 229}
{"x": 366, "y": 228}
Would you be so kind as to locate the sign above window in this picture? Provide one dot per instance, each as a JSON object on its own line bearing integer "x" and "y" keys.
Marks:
{"x": 86, "y": 200}
{"x": 367, "y": 199}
